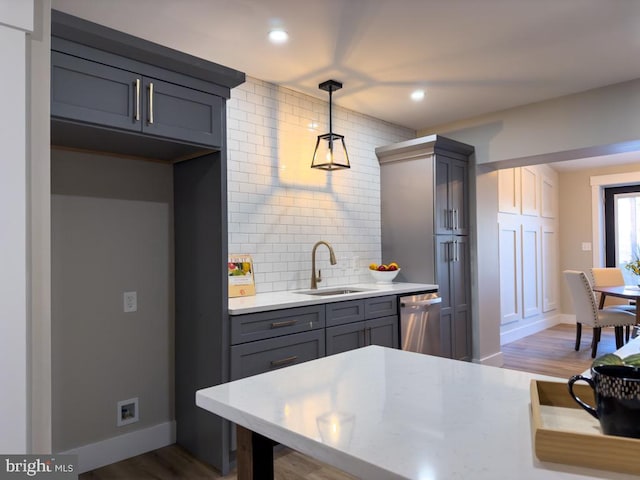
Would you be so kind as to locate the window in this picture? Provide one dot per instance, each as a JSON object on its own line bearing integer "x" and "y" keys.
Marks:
{"x": 622, "y": 221}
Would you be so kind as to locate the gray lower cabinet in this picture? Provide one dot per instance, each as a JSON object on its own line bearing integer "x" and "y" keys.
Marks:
{"x": 358, "y": 323}
{"x": 452, "y": 271}
{"x": 258, "y": 357}
{"x": 269, "y": 340}
{"x": 102, "y": 95}
{"x": 380, "y": 331}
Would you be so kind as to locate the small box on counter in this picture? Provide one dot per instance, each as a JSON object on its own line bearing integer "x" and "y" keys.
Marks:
{"x": 240, "y": 273}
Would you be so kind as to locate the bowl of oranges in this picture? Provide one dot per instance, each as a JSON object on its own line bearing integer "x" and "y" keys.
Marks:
{"x": 384, "y": 273}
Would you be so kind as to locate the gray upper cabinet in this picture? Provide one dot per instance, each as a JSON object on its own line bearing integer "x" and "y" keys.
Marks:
{"x": 451, "y": 190}
{"x": 94, "y": 93}
{"x": 177, "y": 112}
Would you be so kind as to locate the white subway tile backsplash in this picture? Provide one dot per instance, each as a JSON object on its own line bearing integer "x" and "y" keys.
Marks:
{"x": 279, "y": 207}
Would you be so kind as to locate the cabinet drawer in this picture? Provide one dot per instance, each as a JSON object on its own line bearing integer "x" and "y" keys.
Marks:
{"x": 380, "y": 306}
{"x": 259, "y": 326}
{"x": 340, "y": 313}
{"x": 259, "y": 357}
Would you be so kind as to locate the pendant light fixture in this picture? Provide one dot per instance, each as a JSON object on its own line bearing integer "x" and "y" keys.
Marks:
{"x": 330, "y": 152}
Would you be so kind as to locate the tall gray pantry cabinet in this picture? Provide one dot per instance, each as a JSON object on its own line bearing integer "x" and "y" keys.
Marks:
{"x": 424, "y": 188}
{"x": 112, "y": 92}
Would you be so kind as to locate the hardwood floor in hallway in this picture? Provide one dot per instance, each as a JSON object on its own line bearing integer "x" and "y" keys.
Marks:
{"x": 550, "y": 352}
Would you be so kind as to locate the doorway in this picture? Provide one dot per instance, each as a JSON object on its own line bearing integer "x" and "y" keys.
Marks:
{"x": 622, "y": 227}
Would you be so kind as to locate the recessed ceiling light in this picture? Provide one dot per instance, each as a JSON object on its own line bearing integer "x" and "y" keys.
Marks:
{"x": 278, "y": 36}
{"x": 417, "y": 95}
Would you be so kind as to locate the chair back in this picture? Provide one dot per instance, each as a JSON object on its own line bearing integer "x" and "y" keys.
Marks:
{"x": 584, "y": 301}
{"x": 609, "y": 277}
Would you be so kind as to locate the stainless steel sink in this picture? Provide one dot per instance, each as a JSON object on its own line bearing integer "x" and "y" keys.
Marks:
{"x": 332, "y": 291}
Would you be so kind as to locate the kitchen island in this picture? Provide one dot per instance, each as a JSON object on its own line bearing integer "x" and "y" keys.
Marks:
{"x": 380, "y": 413}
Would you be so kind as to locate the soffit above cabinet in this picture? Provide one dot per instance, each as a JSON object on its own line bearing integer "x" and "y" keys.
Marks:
{"x": 108, "y": 40}
{"x": 419, "y": 147}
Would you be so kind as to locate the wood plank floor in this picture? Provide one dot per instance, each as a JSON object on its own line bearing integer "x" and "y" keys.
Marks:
{"x": 549, "y": 352}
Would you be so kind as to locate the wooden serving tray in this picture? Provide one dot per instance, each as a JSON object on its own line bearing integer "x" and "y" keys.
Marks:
{"x": 564, "y": 433}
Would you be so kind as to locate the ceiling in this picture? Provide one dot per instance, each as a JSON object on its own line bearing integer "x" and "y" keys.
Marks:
{"x": 471, "y": 56}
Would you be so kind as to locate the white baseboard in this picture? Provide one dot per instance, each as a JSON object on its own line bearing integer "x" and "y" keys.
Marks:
{"x": 115, "y": 449}
{"x": 566, "y": 318}
{"x": 534, "y": 327}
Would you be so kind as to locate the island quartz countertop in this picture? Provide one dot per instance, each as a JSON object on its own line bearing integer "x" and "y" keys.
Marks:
{"x": 381, "y": 413}
{"x": 263, "y": 302}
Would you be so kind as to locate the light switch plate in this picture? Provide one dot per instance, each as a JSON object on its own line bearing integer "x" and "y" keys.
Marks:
{"x": 130, "y": 302}
{"x": 586, "y": 246}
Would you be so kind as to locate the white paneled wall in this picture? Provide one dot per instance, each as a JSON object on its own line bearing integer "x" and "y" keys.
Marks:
{"x": 279, "y": 207}
{"x": 529, "y": 272}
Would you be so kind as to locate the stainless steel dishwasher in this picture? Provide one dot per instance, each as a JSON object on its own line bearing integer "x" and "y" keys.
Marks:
{"x": 420, "y": 329}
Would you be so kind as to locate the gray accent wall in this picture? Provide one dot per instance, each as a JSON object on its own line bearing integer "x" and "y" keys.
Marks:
{"x": 112, "y": 224}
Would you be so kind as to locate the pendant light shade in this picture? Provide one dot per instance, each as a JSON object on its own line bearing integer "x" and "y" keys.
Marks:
{"x": 330, "y": 152}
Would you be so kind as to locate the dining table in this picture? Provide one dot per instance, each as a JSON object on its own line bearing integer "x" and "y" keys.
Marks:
{"x": 379, "y": 413}
{"x": 630, "y": 292}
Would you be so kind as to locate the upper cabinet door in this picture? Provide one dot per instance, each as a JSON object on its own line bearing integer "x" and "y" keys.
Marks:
{"x": 451, "y": 196}
{"x": 173, "y": 111}
{"x": 443, "y": 216}
{"x": 91, "y": 92}
{"x": 458, "y": 199}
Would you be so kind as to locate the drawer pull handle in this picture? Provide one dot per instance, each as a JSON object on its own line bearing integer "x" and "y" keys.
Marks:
{"x": 150, "y": 121}
{"x": 284, "y": 323}
{"x": 137, "y": 116}
{"x": 284, "y": 361}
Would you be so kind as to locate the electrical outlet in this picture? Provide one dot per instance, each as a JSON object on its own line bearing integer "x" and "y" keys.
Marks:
{"x": 130, "y": 302}
{"x": 127, "y": 412}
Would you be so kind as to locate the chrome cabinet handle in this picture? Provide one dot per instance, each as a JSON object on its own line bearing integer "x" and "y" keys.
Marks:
{"x": 456, "y": 250}
{"x": 456, "y": 219}
{"x": 284, "y": 323}
{"x": 284, "y": 361}
{"x": 151, "y": 103}
{"x": 137, "y": 115}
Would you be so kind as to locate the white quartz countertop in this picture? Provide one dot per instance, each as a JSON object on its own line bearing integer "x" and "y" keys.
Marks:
{"x": 380, "y": 413}
{"x": 286, "y": 299}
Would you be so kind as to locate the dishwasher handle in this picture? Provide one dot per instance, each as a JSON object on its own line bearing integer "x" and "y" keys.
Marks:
{"x": 420, "y": 303}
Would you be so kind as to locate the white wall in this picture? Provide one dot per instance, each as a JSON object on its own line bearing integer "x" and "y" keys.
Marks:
{"x": 16, "y": 19}
{"x": 279, "y": 207}
{"x": 40, "y": 186}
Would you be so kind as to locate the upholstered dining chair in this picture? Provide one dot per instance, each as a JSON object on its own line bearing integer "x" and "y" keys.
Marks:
{"x": 586, "y": 310}
{"x": 612, "y": 277}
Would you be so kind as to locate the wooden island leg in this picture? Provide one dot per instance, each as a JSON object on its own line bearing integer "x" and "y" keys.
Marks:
{"x": 254, "y": 455}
